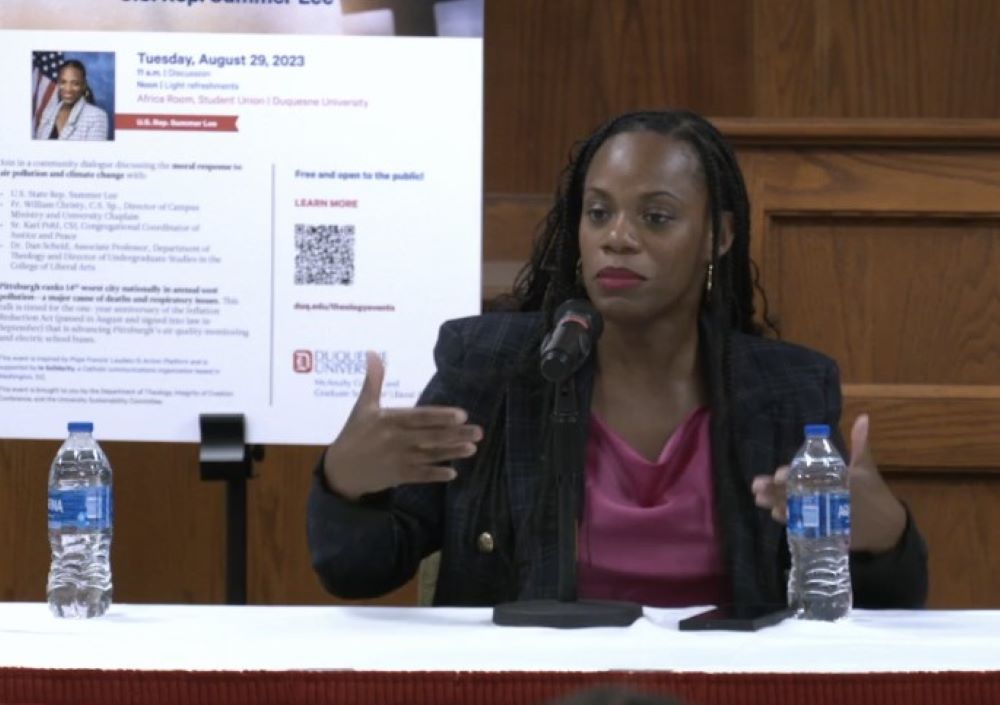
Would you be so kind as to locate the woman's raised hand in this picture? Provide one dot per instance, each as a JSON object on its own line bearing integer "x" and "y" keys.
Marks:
{"x": 878, "y": 519}
{"x": 381, "y": 448}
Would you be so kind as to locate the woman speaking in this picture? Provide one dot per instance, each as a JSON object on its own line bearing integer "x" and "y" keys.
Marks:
{"x": 690, "y": 413}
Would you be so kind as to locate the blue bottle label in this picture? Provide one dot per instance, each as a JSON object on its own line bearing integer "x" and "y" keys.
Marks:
{"x": 80, "y": 508}
{"x": 819, "y": 515}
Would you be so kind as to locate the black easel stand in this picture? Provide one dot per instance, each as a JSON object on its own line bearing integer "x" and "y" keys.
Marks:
{"x": 225, "y": 456}
{"x": 566, "y": 612}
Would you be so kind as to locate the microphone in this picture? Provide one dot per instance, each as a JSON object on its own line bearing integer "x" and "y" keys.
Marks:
{"x": 564, "y": 350}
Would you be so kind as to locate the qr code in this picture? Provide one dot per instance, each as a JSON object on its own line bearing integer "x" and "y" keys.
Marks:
{"x": 324, "y": 254}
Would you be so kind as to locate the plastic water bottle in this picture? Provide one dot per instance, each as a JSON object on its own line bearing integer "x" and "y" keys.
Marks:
{"x": 80, "y": 519}
{"x": 819, "y": 529}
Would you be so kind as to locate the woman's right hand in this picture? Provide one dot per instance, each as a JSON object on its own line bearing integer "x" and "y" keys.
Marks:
{"x": 381, "y": 448}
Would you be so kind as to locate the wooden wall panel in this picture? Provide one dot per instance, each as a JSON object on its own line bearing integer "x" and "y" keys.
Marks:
{"x": 893, "y": 300}
{"x": 887, "y": 259}
{"x": 789, "y": 48}
{"x": 897, "y": 58}
{"x": 957, "y": 513}
{"x": 278, "y": 568}
{"x": 510, "y": 223}
{"x": 169, "y": 542}
{"x": 24, "y": 550}
{"x": 557, "y": 69}
{"x": 168, "y": 536}
{"x": 877, "y": 58}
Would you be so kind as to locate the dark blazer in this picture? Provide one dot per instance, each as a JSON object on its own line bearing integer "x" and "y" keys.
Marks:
{"x": 367, "y": 548}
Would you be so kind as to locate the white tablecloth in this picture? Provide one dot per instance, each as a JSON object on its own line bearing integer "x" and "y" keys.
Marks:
{"x": 182, "y": 637}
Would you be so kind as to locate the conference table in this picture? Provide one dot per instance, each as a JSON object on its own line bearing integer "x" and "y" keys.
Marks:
{"x": 159, "y": 654}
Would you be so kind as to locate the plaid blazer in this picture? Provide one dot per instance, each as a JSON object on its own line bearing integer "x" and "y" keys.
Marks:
{"x": 85, "y": 122}
{"x": 487, "y": 365}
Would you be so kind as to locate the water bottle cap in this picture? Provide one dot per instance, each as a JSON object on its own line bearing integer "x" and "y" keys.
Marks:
{"x": 821, "y": 430}
{"x": 80, "y": 427}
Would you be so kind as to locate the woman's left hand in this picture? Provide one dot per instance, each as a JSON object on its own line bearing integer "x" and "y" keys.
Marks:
{"x": 878, "y": 519}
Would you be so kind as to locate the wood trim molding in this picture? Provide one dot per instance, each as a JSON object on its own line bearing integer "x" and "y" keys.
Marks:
{"x": 929, "y": 428}
{"x": 921, "y": 391}
{"x": 830, "y": 132}
{"x": 498, "y": 276}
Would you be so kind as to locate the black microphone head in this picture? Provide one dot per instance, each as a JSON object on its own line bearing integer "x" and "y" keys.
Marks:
{"x": 585, "y": 310}
{"x": 577, "y": 327}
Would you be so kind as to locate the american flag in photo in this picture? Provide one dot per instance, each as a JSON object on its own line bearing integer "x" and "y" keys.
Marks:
{"x": 45, "y": 74}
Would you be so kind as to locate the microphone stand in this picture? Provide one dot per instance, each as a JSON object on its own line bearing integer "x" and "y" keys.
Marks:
{"x": 566, "y": 612}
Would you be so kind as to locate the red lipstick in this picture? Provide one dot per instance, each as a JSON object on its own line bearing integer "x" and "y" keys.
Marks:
{"x": 618, "y": 278}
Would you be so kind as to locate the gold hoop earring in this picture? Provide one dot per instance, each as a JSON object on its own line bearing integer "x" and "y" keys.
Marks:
{"x": 708, "y": 281}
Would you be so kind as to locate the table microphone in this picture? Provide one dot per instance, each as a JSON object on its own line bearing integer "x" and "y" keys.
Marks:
{"x": 578, "y": 325}
{"x": 564, "y": 350}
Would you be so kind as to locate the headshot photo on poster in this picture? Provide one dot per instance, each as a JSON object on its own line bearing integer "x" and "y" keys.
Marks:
{"x": 73, "y": 95}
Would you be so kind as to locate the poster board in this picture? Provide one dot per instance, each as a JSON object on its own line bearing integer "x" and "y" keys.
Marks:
{"x": 279, "y": 186}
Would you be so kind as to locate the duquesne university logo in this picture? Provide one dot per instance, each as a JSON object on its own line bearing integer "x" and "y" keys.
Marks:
{"x": 302, "y": 361}
{"x": 331, "y": 362}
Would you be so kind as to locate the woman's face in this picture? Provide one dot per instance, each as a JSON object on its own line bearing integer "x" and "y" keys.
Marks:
{"x": 645, "y": 231}
{"x": 71, "y": 84}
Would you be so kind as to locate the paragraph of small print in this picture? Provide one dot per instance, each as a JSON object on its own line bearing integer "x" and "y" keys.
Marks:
{"x": 324, "y": 254}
